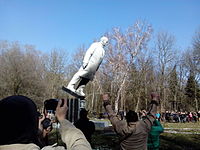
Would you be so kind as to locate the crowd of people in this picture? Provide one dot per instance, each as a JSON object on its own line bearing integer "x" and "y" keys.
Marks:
{"x": 182, "y": 117}
{"x": 175, "y": 116}
{"x": 27, "y": 131}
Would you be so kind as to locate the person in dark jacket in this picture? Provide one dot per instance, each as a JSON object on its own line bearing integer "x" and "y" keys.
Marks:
{"x": 86, "y": 126}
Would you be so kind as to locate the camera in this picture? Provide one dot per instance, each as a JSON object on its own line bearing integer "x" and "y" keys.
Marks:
{"x": 49, "y": 108}
{"x": 46, "y": 123}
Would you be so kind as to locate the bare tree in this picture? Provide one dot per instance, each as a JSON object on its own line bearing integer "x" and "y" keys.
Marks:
{"x": 55, "y": 71}
{"x": 196, "y": 51}
{"x": 165, "y": 47}
{"x": 120, "y": 57}
{"x": 21, "y": 71}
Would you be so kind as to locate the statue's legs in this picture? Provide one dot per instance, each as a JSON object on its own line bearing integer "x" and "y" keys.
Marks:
{"x": 81, "y": 86}
{"x": 74, "y": 81}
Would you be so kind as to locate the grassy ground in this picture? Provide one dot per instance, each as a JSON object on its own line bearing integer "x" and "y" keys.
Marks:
{"x": 190, "y": 141}
{"x": 168, "y": 141}
{"x": 179, "y": 142}
{"x": 182, "y": 125}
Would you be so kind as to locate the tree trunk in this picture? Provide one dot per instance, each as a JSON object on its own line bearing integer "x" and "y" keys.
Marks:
{"x": 138, "y": 102}
{"x": 119, "y": 94}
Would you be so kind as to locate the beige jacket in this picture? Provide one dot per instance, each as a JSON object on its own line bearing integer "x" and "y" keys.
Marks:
{"x": 71, "y": 136}
{"x": 133, "y": 136}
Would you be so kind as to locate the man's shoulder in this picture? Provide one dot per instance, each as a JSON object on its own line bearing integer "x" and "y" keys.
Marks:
{"x": 146, "y": 122}
{"x": 20, "y": 146}
{"x": 53, "y": 148}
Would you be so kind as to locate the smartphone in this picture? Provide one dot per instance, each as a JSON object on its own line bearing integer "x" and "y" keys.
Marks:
{"x": 51, "y": 104}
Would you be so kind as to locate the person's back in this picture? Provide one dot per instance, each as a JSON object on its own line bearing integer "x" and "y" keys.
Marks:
{"x": 153, "y": 138}
{"x": 137, "y": 138}
{"x": 86, "y": 126}
{"x": 133, "y": 133}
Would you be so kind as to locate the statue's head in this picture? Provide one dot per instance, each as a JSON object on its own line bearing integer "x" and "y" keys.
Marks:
{"x": 104, "y": 40}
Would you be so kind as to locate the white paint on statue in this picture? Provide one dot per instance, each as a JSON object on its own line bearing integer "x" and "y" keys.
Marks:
{"x": 91, "y": 62}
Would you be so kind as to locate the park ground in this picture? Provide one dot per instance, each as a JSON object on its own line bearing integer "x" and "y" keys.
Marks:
{"x": 177, "y": 136}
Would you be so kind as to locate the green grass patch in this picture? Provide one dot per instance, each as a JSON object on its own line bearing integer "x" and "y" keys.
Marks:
{"x": 182, "y": 125}
{"x": 168, "y": 141}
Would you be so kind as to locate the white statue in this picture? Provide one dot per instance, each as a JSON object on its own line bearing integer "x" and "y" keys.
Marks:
{"x": 91, "y": 63}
